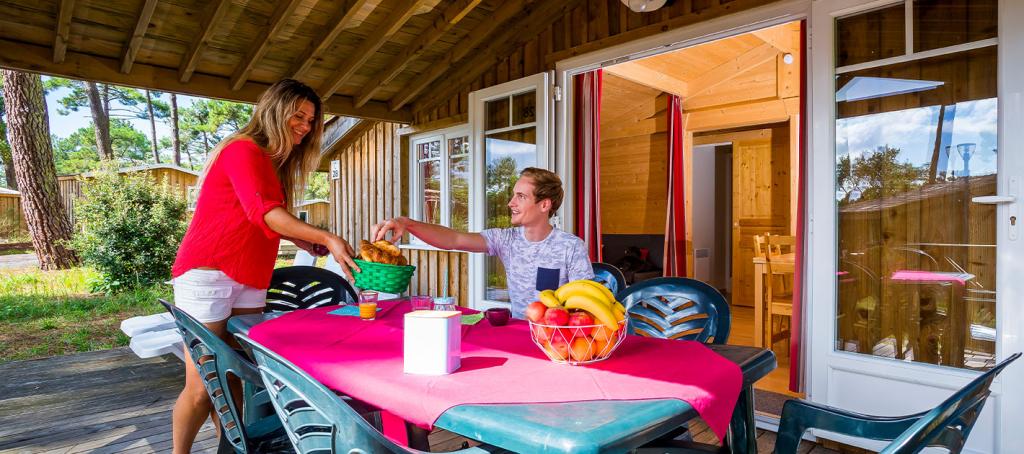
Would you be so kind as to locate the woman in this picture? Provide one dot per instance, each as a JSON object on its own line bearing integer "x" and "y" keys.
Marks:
{"x": 225, "y": 261}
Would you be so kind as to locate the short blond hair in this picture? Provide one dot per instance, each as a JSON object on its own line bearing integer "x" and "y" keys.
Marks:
{"x": 546, "y": 185}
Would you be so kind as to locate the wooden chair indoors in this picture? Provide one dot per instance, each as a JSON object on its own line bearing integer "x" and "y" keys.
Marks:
{"x": 780, "y": 265}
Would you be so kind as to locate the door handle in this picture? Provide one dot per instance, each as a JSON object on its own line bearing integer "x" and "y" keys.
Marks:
{"x": 994, "y": 199}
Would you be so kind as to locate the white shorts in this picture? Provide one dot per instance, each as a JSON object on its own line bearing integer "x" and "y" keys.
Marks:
{"x": 210, "y": 295}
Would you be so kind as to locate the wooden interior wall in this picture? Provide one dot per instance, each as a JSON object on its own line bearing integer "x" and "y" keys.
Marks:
{"x": 371, "y": 188}
{"x": 588, "y": 26}
{"x": 11, "y": 217}
{"x": 633, "y": 158}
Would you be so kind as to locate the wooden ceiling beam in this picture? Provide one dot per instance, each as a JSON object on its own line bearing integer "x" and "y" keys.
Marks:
{"x": 442, "y": 25}
{"x": 60, "y": 43}
{"x": 535, "y": 20}
{"x": 382, "y": 33}
{"x": 341, "y": 20}
{"x": 277, "y": 20}
{"x": 643, "y": 75}
{"x": 35, "y": 58}
{"x": 190, "y": 60}
{"x": 738, "y": 115}
{"x": 785, "y": 38}
{"x": 731, "y": 69}
{"x": 486, "y": 29}
{"x": 135, "y": 42}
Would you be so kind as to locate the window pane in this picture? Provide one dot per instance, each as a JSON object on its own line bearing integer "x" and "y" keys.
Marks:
{"x": 506, "y": 154}
{"x": 497, "y": 114}
{"x": 427, "y": 150}
{"x": 942, "y": 23}
{"x": 870, "y": 36}
{"x": 431, "y": 174}
{"x": 914, "y": 143}
{"x": 458, "y": 145}
{"x": 459, "y": 190}
{"x": 524, "y": 108}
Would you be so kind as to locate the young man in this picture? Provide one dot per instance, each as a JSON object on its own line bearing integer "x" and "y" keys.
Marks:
{"x": 536, "y": 255}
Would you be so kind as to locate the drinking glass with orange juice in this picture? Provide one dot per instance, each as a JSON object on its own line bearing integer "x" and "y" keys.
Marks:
{"x": 367, "y": 304}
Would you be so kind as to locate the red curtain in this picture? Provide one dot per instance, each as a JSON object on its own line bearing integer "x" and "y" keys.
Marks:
{"x": 796, "y": 365}
{"x": 587, "y": 114}
{"x": 675, "y": 223}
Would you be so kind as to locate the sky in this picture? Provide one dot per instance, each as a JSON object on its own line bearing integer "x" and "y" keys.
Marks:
{"x": 913, "y": 132}
{"x": 65, "y": 125}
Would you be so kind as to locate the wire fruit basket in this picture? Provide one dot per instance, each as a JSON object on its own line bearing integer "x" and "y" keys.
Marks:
{"x": 576, "y": 345}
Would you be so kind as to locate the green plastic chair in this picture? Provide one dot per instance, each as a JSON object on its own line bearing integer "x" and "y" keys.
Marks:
{"x": 947, "y": 425}
{"x": 315, "y": 418}
{"x": 257, "y": 428}
{"x": 677, "y": 308}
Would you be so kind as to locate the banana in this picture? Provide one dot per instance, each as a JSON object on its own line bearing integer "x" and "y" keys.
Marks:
{"x": 619, "y": 311}
{"x": 581, "y": 288}
{"x": 549, "y": 299}
{"x": 599, "y": 310}
{"x": 601, "y": 288}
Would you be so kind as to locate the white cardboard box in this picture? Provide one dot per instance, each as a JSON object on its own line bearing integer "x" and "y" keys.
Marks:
{"x": 433, "y": 342}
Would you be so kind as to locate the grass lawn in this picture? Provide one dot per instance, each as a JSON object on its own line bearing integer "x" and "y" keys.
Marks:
{"x": 50, "y": 313}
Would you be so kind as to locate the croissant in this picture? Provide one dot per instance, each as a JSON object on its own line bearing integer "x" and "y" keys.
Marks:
{"x": 387, "y": 247}
{"x": 381, "y": 252}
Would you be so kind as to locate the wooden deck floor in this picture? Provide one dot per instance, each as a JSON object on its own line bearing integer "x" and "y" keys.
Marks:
{"x": 110, "y": 401}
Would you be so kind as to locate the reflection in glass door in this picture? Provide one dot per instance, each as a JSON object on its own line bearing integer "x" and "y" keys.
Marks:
{"x": 510, "y": 145}
{"x": 916, "y": 141}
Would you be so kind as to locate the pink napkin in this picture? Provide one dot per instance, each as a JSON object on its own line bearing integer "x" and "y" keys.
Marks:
{"x": 500, "y": 365}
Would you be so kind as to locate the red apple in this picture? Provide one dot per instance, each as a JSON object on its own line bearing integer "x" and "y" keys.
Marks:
{"x": 556, "y": 316}
{"x": 581, "y": 318}
{"x": 535, "y": 311}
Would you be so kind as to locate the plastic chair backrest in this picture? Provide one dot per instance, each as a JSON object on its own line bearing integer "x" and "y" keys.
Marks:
{"x": 315, "y": 418}
{"x": 677, "y": 308}
{"x": 304, "y": 287}
{"x": 949, "y": 424}
{"x": 609, "y": 276}
{"x": 214, "y": 359}
{"x": 303, "y": 258}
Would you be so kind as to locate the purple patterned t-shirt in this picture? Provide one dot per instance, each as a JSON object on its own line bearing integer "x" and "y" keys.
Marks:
{"x": 534, "y": 266}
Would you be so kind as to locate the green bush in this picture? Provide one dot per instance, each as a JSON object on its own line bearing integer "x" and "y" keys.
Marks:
{"x": 129, "y": 229}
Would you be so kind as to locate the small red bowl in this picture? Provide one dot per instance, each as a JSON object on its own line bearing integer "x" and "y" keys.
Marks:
{"x": 498, "y": 316}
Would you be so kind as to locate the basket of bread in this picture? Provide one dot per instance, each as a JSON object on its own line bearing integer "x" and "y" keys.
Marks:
{"x": 384, "y": 269}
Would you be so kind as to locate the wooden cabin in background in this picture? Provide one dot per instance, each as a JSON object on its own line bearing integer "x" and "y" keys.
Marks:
{"x": 180, "y": 179}
{"x": 316, "y": 212}
{"x": 12, "y": 220}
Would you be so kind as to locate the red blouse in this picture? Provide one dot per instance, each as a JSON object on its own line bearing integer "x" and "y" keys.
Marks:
{"x": 227, "y": 230}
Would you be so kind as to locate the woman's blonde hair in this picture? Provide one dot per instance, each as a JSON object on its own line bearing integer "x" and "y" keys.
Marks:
{"x": 268, "y": 128}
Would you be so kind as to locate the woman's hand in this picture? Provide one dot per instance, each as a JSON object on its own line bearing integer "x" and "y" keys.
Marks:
{"x": 396, "y": 226}
{"x": 343, "y": 253}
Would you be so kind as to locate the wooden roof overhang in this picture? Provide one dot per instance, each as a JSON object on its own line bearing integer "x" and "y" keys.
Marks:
{"x": 370, "y": 59}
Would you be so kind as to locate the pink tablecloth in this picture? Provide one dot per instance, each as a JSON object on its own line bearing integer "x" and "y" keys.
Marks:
{"x": 363, "y": 359}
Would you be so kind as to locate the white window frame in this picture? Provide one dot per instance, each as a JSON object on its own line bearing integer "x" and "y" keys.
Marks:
{"x": 300, "y": 215}
{"x": 477, "y": 199}
{"x": 415, "y": 179}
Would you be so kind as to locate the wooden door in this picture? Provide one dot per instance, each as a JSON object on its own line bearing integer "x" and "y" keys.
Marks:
{"x": 760, "y": 198}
